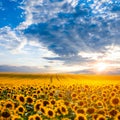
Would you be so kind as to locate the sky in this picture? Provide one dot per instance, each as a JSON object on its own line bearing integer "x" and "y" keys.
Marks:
{"x": 60, "y": 36}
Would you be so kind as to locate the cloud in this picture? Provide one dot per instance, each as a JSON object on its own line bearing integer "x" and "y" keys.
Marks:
{"x": 12, "y": 40}
{"x": 64, "y": 69}
{"x": 70, "y": 60}
{"x": 7, "y": 68}
{"x": 69, "y": 27}
{"x": 43, "y": 10}
{"x": 67, "y": 30}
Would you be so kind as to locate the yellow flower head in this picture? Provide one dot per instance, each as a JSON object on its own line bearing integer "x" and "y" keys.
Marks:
{"x": 37, "y": 117}
{"x": 50, "y": 113}
{"x": 101, "y": 117}
{"x": 21, "y": 99}
{"x": 80, "y": 117}
{"x": 114, "y": 101}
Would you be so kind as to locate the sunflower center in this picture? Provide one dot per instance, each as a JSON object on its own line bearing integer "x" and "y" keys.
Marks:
{"x": 21, "y": 109}
{"x": 50, "y": 113}
{"x": 113, "y": 112}
{"x": 5, "y": 114}
{"x": 37, "y": 118}
{"x": 80, "y": 111}
{"x": 118, "y": 117}
{"x": 90, "y": 111}
{"x": 8, "y": 106}
{"x": 53, "y": 102}
{"x": 22, "y": 99}
{"x": 29, "y": 100}
{"x": 38, "y": 106}
{"x": 101, "y": 119}
{"x": 115, "y": 101}
{"x": 43, "y": 111}
{"x": 63, "y": 109}
{"x": 81, "y": 118}
{"x": 45, "y": 103}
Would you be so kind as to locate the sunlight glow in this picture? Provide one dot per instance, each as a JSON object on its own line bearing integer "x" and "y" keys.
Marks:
{"x": 101, "y": 66}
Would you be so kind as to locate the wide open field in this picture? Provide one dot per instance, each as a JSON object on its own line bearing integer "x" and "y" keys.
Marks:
{"x": 59, "y": 97}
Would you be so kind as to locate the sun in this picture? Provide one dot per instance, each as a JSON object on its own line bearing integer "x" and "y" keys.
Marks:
{"x": 101, "y": 66}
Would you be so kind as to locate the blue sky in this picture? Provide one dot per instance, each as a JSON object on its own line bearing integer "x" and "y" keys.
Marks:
{"x": 72, "y": 36}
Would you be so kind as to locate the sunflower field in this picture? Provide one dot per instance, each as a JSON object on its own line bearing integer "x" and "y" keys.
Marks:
{"x": 59, "y": 97}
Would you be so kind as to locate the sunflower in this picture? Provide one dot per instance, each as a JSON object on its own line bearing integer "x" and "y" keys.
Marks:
{"x": 9, "y": 105}
{"x": 57, "y": 110}
{"x": 80, "y": 111}
{"x": 94, "y": 116}
{"x": 114, "y": 101}
{"x": 60, "y": 102}
{"x": 29, "y": 100}
{"x": 67, "y": 103}
{"x": 101, "y": 117}
{"x": 50, "y": 113}
{"x": 75, "y": 107}
{"x": 113, "y": 112}
{"x": 21, "y": 99}
{"x": 35, "y": 95}
{"x": 81, "y": 103}
{"x": 45, "y": 103}
{"x": 31, "y": 117}
{"x": 16, "y": 117}
{"x": 8, "y": 95}
{"x": 117, "y": 117}
{"x": 51, "y": 94}
{"x": 80, "y": 117}
{"x": 112, "y": 94}
{"x": 60, "y": 95}
{"x": 5, "y": 114}
{"x": 52, "y": 101}
{"x": 2, "y": 102}
{"x": 20, "y": 109}
{"x": 74, "y": 95}
{"x": 63, "y": 110}
{"x": 14, "y": 97}
{"x": 39, "y": 101}
{"x": 99, "y": 104}
{"x": 43, "y": 110}
{"x": 90, "y": 110}
{"x": 94, "y": 97}
{"x": 37, "y": 106}
{"x": 101, "y": 111}
{"x": 37, "y": 117}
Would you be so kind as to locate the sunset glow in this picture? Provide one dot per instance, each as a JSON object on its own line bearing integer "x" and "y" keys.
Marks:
{"x": 101, "y": 67}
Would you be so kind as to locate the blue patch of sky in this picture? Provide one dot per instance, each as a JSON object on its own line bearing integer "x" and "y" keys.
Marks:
{"x": 11, "y": 15}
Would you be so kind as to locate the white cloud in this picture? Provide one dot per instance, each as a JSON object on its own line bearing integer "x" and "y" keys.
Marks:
{"x": 42, "y": 11}
{"x": 12, "y": 40}
{"x": 73, "y": 3}
{"x": 113, "y": 53}
{"x": 90, "y": 55}
{"x": 101, "y": 10}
